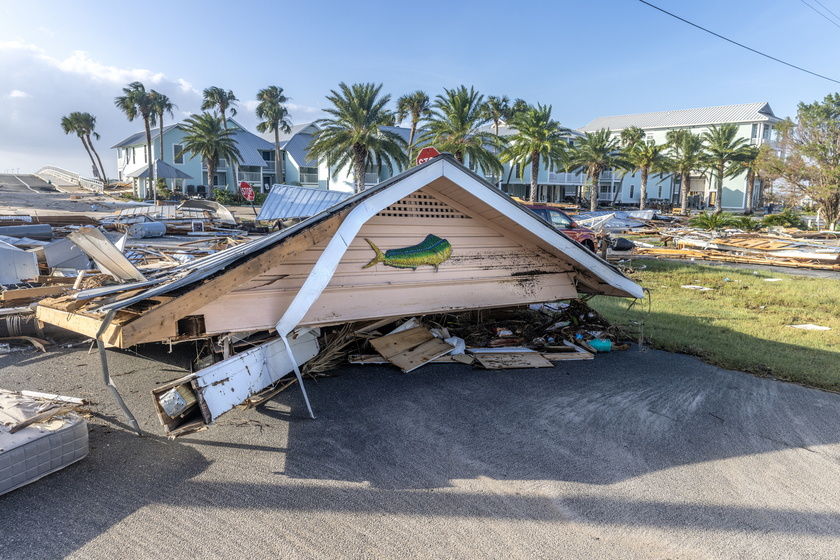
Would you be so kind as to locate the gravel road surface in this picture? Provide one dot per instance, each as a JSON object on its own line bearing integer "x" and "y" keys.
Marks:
{"x": 636, "y": 454}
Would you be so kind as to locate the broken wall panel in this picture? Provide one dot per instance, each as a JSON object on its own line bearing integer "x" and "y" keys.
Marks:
{"x": 16, "y": 265}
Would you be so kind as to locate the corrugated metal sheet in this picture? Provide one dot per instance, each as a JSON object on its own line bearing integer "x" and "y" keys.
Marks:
{"x": 748, "y": 112}
{"x": 285, "y": 201}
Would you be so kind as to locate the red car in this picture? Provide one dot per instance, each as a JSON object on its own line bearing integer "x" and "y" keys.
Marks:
{"x": 564, "y": 223}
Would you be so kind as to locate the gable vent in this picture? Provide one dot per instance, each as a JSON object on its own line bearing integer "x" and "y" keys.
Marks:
{"x": 421, "y": 205}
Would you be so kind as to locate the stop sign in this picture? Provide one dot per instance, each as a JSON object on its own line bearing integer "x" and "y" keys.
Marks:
{"x": 426, "y": 154}
{"x": 246, "y": 191}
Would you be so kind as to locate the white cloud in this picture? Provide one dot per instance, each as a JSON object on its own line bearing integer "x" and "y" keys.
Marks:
{"x": 32, "y": 135}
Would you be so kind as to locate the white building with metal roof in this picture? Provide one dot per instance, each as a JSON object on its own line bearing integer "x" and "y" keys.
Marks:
{"x": 256, "y": 167}
{"x": 755, "y": 123}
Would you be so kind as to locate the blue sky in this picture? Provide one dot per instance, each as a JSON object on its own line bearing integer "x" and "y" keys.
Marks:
{"x": 587, "y": 58}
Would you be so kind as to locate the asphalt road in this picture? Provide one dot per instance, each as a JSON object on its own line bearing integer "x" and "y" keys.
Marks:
{"x": 636, "y": 454}
{"x": 24, "y": 184}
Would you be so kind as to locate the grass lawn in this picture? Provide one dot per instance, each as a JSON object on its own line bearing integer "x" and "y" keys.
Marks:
{"x": 740, "y": 323}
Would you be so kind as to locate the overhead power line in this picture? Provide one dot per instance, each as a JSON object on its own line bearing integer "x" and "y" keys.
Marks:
{"x": 739, "y": 44}
{"x": 826, "y": 9}
{"x": 828, "y": 19}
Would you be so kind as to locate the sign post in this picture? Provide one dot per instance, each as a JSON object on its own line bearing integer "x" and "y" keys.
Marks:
{"x": 426, "y": 154}
{"x": 249, "y": 194}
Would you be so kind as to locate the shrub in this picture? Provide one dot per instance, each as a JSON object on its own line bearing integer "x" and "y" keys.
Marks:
{"x": 788, "y": 218}
{"x": 713, "y": 221}
{"x": 746, "y": 223}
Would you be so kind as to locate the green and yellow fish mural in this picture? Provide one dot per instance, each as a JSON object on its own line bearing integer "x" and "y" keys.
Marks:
{"x": 432, "y": 251}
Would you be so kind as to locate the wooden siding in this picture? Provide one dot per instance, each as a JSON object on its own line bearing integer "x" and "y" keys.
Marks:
{"x": 486, "y": 269}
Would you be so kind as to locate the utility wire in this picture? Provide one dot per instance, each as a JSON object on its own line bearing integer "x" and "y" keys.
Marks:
{"x": 826, "y": 9}
{"x": 739, "y": 44}
{"x": 831, "y": 21}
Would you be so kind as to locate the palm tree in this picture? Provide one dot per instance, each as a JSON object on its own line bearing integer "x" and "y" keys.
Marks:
{"x": 160, "y": 105}
{"x": 137, "y": 102}
{"x": 83, "y": 125}
{"x": 686, "y": 155}
{"x": 453, "y": 126}
{"x": 217, "y": 99}
{"x": 724, "y": 151}
{"x": 274, "y": 118}
{"x": 414, "y": 105}
{"x": 631, "y": 136}
{"x": 537, "y": 138}
{"x": 206, "y": 136}
{"x": 645, "y": 157}
{"x": 595, "y": 153}
{"x": 497, "y": 110}
{"x": 354, "y": 136}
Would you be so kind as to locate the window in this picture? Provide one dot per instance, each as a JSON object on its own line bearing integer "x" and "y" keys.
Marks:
{"x": 558, "y": 220}
{"x": 133, "y": 155}
{"x": 308, "y": 175}
{"x": 177, "y": 156}
{"x": 632, "y": 189}
{"x": 660, "y": 192}
{"x": 766, "y": 133}
{"x": 754, "y": 131}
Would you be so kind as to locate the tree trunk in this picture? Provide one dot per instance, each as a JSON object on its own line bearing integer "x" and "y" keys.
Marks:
{"x": 232, "y": 160}
{"x": 535, "y": 174}
{"x": 719, "y": 190}
{"x": 594, "y": 189}
{"x": 360, "y": 159}
{"x": 684, "y": 190}
{"x": 87, "y": 149}
{"x": 411, "y": 142}
{"x": 160, "y": 129}
{"x": 211, "y": 172}
{"x": 749, "y": 192}
{"x": 150, "y": 156}
{"x": 101, "y": 167}
{"x": 278, "y": 164}
{"x": 643, "y": 188}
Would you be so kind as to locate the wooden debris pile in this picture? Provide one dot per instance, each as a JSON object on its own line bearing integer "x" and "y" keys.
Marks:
{"x": 777, "y": 249}
{"x": 519, "y": 337}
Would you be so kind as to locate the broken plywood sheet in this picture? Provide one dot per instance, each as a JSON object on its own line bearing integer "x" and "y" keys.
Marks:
{"x": 107, "y": 256}
{"x": 512, "y": 360}
{"x": 410, "y": 349}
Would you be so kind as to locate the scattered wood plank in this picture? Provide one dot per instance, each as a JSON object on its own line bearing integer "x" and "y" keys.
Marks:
{"x": 512, "y": 360}
{"x": 31, "y": 293}
{"x": 410, "y": 349}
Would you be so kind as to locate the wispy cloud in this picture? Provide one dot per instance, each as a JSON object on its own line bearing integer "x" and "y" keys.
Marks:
{"x": 18, "y": 94}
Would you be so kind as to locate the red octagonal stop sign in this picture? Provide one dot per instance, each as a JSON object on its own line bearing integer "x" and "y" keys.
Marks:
{"x": 246, "y": 191}
{"x": 426, "y": 154}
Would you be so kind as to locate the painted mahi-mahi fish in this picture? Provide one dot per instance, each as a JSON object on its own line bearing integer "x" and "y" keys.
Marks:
{"x": 432, "y": 251}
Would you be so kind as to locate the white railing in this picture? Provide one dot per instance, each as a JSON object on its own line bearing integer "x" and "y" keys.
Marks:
{"x": 250, "y": 177}
{"x": 74, "y": 178}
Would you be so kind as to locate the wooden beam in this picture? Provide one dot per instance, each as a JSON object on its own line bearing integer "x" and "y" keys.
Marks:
{"x": 30, "y": 293}
{"x": 82, "y": 324}
{"x": 161, "y": 322}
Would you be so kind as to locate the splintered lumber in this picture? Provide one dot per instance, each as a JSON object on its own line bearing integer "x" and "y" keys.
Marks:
{"x": 410, "y": 349}
{"x": 31, "y": 293}
{"x": 512, "y": 360}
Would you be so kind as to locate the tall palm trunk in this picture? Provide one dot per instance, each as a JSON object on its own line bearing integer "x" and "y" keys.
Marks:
{"x": 594, "y": 190}
{"x": 150, "y": 157}
{"x": 278, "y": 159}
{"x": 87, "y": 149}
{"x": 535, "y": 175}
{"x": 360, "y": 159}
{"x": 719, "y": 191}
{"x": 684, "y": 197}
{"x": 232, "y": 162}
{"x": 748, "y": 196}
{"x": 101, "y": 167}
{"x": 211, "y": 172}
{"x": 160, "y": 137}
{"x": 643, "y": 188}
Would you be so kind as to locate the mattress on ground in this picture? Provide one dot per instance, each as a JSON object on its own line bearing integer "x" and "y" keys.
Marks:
{"x": 40, "y": 448}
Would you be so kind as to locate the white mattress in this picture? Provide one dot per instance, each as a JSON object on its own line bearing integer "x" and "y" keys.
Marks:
{"x": 38, "y": 449}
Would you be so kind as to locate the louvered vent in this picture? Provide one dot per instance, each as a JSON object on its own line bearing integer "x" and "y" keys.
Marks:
{"x": 421, "y": 205}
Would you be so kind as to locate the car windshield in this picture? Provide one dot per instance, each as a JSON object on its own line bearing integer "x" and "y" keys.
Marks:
{"x": 558, "y": 220}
